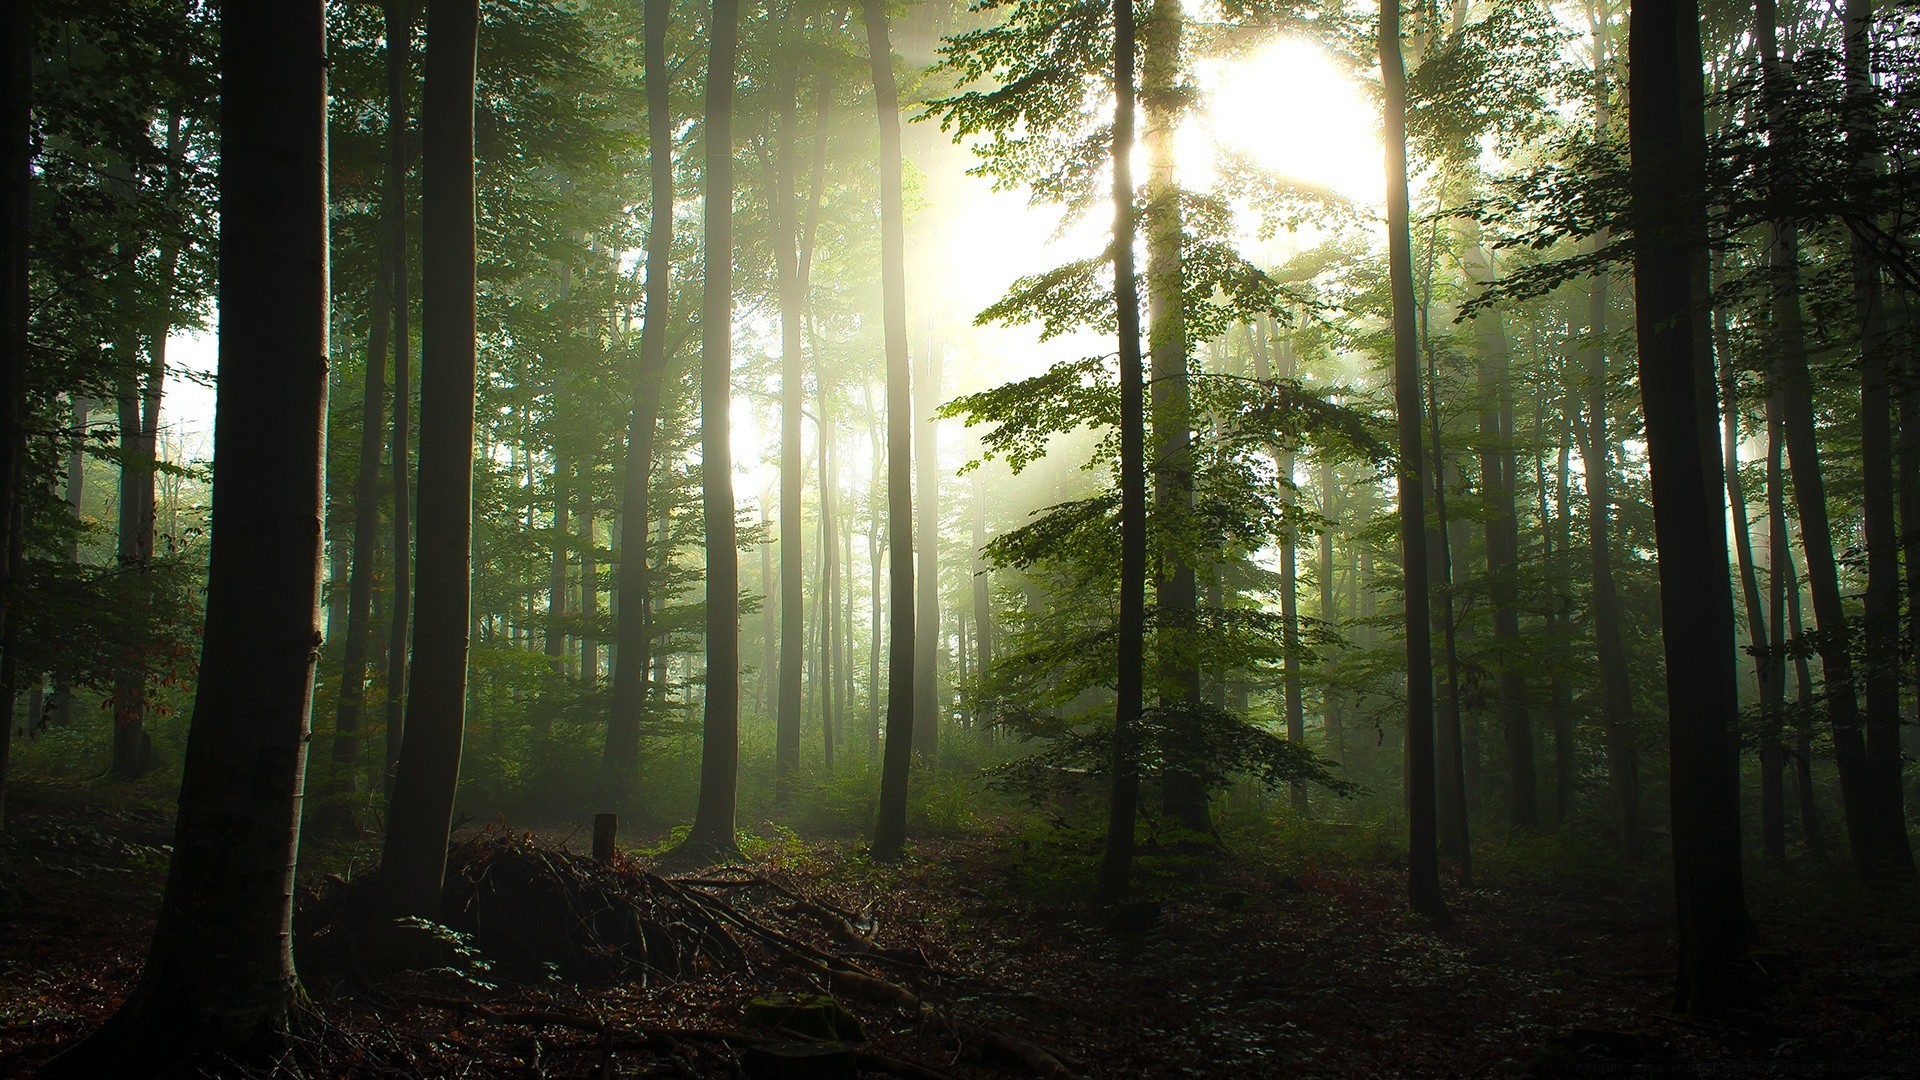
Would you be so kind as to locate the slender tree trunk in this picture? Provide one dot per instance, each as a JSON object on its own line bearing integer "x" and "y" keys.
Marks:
{"x": 1804, "y": 709}
{"x": 589, "y": 579}
{"x": 1116, "y": 860}
{"x": 1558, "y": 538}
{"x": 366, "y": 526}
{"x": 829, "y": 589}
{"x": 1883, "y": 853}
{"x": 414, "y": 859}
{"x": 553, "y": 639}
{"x": 1455, "y": 786}
{"x": 982, "y": 585}
{"x": 1423, "y": 859}
{"x": 927, "y": 709}
{"x": 720, "y": 728}
{"x": 793, "y": 399}
{"x": 399, "y": 27}
{"x": 1176, "y": 586}
{"x": 1773, "y": 800}
{"x": 890, "y": 835}
{"x": 876, "y": 528}
{"x": 1331, "y": 507}
{"x": 620, "y": 758}
{"x": 1696, "y": 599}
{"x": 1596, "y": 458}
{"x": 16, "y": 187}
{"x": 219, "y": 974}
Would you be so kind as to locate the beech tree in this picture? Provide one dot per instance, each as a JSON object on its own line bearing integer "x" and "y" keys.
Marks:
{"x": 219, "y": 975}
{"x": 414, "y": 859}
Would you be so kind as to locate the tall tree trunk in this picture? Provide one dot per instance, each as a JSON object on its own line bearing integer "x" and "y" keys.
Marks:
{"x": 589, "y": 578}
{"x": 1870, "y": 847}
{"x": 620, "y": 758}
{"x": 1123, "y": 804}
{"x": 1804, "y": 708}
{"x": 829, "y": 589}
{"x": 1883, "y": 852}
{"x": 1773, "y": 799}
{"x": 793, "y": 399}
{"x": 399, "y": 27}
{"x": 219, "y": 974}
{"x": 366, "y": 526}
{"x": 876, "y": 528}
{"x": 720, "y": 726}
{"x": 927, "y": 710}
{"x": 1557, "y": 534}
{"x": 1456, "y": 787}
{"x": 16, "y": 187}
{"x": 890, "y": 834}
{"x": 1176, "y": 586}
{"x": 1498, "y": 477}
{"x": 553, "y": 638}
{"x": 982, "y": 585}
{"x": 1423, "y": 858}
{"x": 1330, "y": 508}
{"x": 413, "y": 862}
{"x": 1696, "y": 600}
{"x": 1596, "y": 459}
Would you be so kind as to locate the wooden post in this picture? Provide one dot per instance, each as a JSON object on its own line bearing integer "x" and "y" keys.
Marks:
{"x": 604, "y": 826}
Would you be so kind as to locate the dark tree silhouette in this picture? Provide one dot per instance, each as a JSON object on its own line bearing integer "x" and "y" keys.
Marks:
{"x": 720, "y": 730}
{"x": 1696, "y": 598}
{"x": 219, "y": 975}
{"x": 890, "y": 835}
{"x": 414, "y": 859}
{"x": 630, "y": 660}
{"x": 1116, "y": 861}
{"x": 1423, "y": 855}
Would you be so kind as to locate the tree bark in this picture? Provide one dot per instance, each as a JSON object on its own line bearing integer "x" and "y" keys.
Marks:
{"x": 1883, "y": 853}
{"x": 1696, "y": 600}
{"x": 399, "y": 27}
{"x": 414, "y": 859}
{"x": 620, "y": 757}
{"x": 927, "y": 710}
{"x": 890, "y": 834}
{"x": 713, "y": 818}
{"x": 793, "y": 399}
{"x": 16, "y": 188}
{"x": 219, "y": 974}
{"x": 1116, "y": 859}
{"x": 1423, "y": 859}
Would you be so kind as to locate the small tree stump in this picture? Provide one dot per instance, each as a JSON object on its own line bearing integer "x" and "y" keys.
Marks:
{"x": 802, "y": 1061}
{"x": 604, "y": 827}
{"x": 815, "y": 1016}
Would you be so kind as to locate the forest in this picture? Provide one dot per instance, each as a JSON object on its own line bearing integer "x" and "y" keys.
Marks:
{"x": 807, "y": 540}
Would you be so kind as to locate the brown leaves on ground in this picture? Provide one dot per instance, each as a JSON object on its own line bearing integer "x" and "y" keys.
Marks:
{"x": 952, "y": 970}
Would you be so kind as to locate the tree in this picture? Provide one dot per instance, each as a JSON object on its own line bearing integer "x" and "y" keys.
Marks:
{"x": 720, "y": 729}
{"x": 1668, "y": 181}
{"x": 890, "y": 834}
{"x": 1116, "y": 860}
{"x": 1423, "y": 859}
{"x": 414, "y": 859}
{"x": 219, "y": 975}
{"x": 16, "y": 185}
{"x": 630, "y": 660}
{"x": 399, "y": 56}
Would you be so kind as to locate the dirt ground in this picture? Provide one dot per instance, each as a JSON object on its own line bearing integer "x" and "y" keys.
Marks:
{"x": 1241, "y": 972}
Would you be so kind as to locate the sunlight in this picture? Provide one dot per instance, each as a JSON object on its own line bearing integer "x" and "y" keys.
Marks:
{"x": 1293, "y": 109}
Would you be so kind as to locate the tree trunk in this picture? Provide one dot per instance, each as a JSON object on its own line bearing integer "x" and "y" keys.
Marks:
{"x": 1696, "y": 599}
{"x": 927, "y": 710}
{"x": 620, "y": 757}
{"x": 366, "y": 525}
{"x": 399, "y": 27}
{"x": 414, "y": 859}
{"x": 219, "y": 974}
{"x": 1773, "y": 800}
{"x": 1176, "y": 586}
{"x": 589, "y": 579}
{"x": 793, "y": 399}
{"x": 1423, "y": 859}
{"x": 890, "y": 834}
{"x": 16, "y": 186}
{"x": 720, "y": 727}
{"x": 982, "y": 585}
{"x": 1883, "y": 852}
{"x": 1330, "y": 508}
{"x": 1456, "y": 787}
{"x": 1116, "y": 860}
{"x": 1596, "y": 459}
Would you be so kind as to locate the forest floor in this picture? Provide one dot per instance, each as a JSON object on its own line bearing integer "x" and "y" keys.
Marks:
{"x": 1303, "y": 966}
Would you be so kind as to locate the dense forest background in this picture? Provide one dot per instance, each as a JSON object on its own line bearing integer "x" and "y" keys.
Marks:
{"x": 888, "y": 428}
